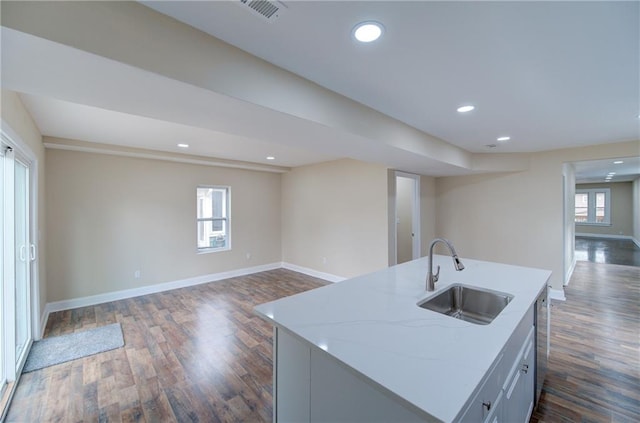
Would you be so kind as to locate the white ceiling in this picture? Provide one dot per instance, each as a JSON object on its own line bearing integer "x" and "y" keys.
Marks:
{"x": 82, "y": 96}
{"x": 64, "y": 119}
{"x": 597, "y": 170}
{"x": 550, "y": 75}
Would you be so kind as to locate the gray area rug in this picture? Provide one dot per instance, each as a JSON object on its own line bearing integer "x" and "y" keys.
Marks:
{"x": 59, "y": 349}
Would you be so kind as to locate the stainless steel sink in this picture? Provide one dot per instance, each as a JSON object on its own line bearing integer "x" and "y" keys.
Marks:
{"x": 473, "y": 305}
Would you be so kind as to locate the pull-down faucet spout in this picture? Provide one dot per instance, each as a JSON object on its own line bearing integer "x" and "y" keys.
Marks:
{"x": 457, "y": 264}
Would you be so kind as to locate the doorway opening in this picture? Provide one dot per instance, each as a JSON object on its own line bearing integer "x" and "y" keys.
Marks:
{"x": 405, "y": 218}
{"x": 602, "y": 211}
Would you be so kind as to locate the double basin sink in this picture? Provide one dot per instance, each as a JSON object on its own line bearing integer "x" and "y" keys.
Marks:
{"x": 467, "y": 303}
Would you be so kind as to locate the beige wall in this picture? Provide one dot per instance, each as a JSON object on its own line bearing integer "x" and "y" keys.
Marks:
{"x": 16, "y": 117}
{"x": 621, "y": 210}
{"x": 335, "y": 211}
{"x": 636, "y": 210}
{"x": 569, "y": 241}
{"x": 515, "y": 217}
{"x": 427, "y": 213}
{"x": 110, "y": 216}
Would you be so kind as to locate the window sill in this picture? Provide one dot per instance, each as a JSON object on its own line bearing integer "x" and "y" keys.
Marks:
{"x": 212, "y": 250}
{"x": 591, "y": 224}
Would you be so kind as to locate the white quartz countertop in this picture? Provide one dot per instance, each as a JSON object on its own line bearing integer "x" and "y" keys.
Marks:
{"x": 373, "y": 325}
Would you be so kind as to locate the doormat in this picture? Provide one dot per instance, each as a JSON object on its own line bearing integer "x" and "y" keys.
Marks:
{"x": 59, "y": 349}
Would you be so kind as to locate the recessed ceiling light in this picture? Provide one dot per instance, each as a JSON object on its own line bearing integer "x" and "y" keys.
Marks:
{"x": 503, "y": 138}
{"x": 183, "y": 145}
{"x": 368, "y": 31}
{"x": 618, "y": 162}
{"x": 465, "y": 109}
{"x": 270, "y": 158}
{"x": 611, "y": 173}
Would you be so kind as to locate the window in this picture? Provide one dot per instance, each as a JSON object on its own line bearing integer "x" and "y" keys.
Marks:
{"x": 213, "y": 226}
{"x": 593, "y": 206}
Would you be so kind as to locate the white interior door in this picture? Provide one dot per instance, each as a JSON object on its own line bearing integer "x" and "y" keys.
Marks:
{"x": 405, "y": 188}
{"x": 407, "y": 217}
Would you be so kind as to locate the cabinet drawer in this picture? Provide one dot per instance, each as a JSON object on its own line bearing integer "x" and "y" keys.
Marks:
{"x": 484, "y": 404}
{"x": 513, "y": 348}
{"x": 517, "y": 366}
{"x": 518, "y": 388}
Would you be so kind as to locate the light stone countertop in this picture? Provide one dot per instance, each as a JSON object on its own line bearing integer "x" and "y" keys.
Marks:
{"x": 373, "y": 325}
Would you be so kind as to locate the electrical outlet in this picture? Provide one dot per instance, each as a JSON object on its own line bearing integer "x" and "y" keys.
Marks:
{"x": 136, "y": 274}
{"x": 324, "y": 260}
{"x": 248, "y": 256}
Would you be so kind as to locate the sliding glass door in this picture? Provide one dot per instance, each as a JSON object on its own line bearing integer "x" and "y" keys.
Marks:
{"x": 22, "y": 252}
{"x": 3, "y": 236}
{"x": 16, "y": 259}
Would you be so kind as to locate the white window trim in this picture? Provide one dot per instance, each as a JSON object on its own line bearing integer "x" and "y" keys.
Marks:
{"x": 591, "y": 207}
{"x": 227, "y": 247}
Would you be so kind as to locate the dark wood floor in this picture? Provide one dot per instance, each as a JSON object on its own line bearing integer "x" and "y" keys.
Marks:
{"x": 594, "y": 367}
{"x": 192, "y": 354}
{"x": 199, "y": 354}
{"x": 609, "y": 251}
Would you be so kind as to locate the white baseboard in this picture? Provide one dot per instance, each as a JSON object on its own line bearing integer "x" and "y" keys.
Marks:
{"x": 310, "y": 272}
{"x": 606, "y": 236}
{"x": 567, "y": 276}
{"x": 150, "y": 289}
{"x": 43, "y": 322}
{"x": 167, "y": 286}
{"x": 557, "y": 294}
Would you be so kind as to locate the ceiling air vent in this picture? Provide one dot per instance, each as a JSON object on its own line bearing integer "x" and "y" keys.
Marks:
{"x": 267, "y": 10}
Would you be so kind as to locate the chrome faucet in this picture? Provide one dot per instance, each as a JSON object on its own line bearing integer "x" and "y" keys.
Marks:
{"x": 433, "y": 278}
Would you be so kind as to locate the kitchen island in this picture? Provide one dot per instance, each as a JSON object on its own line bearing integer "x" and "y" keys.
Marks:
{"x": 362, "y": 349}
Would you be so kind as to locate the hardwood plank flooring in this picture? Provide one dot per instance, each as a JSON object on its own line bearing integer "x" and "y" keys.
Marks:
{"x": 199, "y": 354}
{"x": 594, "y": 367}
{"x": 610, "y": 251}
{"x": 191, "y": 354}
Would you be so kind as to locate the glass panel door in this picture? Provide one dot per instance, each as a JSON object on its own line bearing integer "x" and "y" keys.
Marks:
{"x": 22, "y": 259}
{"x": 17, "y": 259}
{"x": 3, "y": 375}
